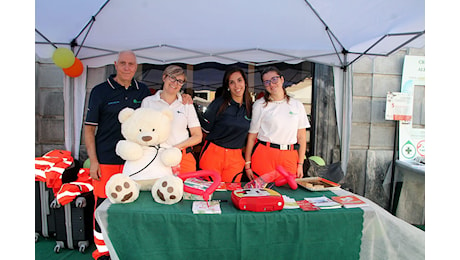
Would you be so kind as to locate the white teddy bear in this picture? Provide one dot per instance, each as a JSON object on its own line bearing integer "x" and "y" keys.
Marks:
{"x": 148, "y": 158}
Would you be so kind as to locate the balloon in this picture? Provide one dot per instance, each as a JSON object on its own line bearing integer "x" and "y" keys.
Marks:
{"x": 262, "y": 180}
{"x": 86, "y": 164}
{"x": 75, "y": 70}
{"x": 63, "y": 57}
{"x": 318, "y": 160}
{"x": 288, "y": 178}
{"x": 205, "y": 193}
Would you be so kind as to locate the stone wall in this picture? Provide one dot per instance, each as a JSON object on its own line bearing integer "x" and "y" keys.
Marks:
{"x": 372, "y": 137}
{"x": 49, "y": 108}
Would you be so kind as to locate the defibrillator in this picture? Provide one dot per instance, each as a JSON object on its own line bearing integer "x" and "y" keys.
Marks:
{"x": 257, "y": 199}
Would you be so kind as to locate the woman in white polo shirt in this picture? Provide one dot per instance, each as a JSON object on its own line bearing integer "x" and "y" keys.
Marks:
{"x": 277, "y": 135}
{"x": 185, "y": 118}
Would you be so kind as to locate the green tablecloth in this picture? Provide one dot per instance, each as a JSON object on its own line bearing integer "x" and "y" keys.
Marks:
{"x": 145, "y": 229}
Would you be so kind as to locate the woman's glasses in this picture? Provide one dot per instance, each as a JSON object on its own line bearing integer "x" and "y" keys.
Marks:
{"x": 173, "y": 79}
{"x": 273, "y": 80}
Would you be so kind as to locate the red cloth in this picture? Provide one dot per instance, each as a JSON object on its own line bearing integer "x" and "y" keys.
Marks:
{"x": 69, "y": 191}
{"x": 50, "y": 167}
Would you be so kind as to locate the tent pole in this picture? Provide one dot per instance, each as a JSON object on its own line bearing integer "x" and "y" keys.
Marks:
{"x": 344, "y": 143}
{"x": 392, "y": 203}
{"x": 72, "y": 109}
{"x": 70, "y": 112}
{"x": 69, "y": 106}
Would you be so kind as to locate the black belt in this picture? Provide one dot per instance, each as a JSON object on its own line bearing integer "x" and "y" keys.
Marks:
{"x": 188, "y": 149}
{"x": 283, "y": 147}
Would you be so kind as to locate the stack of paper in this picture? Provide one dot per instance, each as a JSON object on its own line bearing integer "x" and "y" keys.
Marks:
{"x": 323, "y": 202}
{"x": 289, "y": 203}
{"x": 206, "y": 207}
{"x": 307, "y": 206}
{"x": 196, "y": 183}
{"x": 350, "y": 201}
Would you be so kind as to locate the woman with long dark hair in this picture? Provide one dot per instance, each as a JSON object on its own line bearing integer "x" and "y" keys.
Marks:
{"x": 226, "y": 123}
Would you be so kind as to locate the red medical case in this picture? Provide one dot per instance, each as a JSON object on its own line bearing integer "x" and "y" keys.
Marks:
{"x": 257, "y": 199}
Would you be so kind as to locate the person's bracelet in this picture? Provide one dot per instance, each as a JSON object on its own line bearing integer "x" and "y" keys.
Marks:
{"x": 247, "y": 163}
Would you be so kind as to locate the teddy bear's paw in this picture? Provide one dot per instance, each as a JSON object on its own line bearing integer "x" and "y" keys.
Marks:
{"x": 121, "y": 189}
{"x": 128, "y": 150}
{"x": 168, "y": 190}
{"x": 171, "y": 156}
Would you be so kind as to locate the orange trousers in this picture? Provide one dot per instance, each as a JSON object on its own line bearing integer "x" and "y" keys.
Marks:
{"x": 107, "y": 170}
{"x": 229, "y": 163}
{"x": 188, "y": 163}
{"x": 265, "y": 159}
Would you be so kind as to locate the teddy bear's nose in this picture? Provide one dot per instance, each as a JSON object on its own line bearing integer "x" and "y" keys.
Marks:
{"x": 146, "y": 138}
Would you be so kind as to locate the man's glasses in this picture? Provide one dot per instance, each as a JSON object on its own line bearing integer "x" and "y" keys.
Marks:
{"x": 273, "y": 80}
{"x": 173, "y": 79}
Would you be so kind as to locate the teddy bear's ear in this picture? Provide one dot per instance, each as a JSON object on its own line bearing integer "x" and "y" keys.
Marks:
{"x": 125, "y": 114}
{"x": 168, "y": 113}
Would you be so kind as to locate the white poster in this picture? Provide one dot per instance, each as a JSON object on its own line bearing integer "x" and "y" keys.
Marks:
{"x": 411, "y": 140}
{"x": 399, "y": 106}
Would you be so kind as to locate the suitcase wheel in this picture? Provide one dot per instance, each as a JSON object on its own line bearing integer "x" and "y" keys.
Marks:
{"x": 82, "y": 245}
{"x": 82, "y": 249}
{"x": 59, "y": 245}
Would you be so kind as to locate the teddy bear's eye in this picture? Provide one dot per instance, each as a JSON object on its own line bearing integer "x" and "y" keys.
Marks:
{"x": 140, "y": 130}
{"x": 153, "y": 130}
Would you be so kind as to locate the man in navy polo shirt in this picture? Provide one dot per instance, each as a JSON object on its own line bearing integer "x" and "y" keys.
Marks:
{"x": 103, "y": 130}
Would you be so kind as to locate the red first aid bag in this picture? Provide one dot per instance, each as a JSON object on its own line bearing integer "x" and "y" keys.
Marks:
{"x": 257, "y": 199}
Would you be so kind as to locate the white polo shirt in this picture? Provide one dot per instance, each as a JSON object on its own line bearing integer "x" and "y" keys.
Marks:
{"x": 184, "y": 116}
{"x": 278, "y": 121}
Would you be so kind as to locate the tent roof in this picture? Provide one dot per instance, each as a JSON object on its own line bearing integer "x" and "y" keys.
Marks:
{"x": 255, "y": 32}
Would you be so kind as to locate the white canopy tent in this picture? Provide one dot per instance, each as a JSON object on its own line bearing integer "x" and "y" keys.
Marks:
{"x": 257, "y": 32}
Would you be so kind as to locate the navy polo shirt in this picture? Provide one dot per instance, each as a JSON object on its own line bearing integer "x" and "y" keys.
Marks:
{"x": 105, "y": 103}
{"x": 228, "y": 129}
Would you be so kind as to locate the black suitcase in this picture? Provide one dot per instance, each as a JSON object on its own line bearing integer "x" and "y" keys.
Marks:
{"x": 44, "y": 215}
{"x": 74, "y": 223}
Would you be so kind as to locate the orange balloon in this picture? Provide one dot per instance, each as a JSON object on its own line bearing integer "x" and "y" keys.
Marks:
{"x": 75, "y": 70}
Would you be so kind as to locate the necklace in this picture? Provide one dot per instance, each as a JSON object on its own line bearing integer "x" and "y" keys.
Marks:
{"x": 278, "y": 101}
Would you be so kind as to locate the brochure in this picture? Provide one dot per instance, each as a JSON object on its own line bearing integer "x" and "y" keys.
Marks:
{"x": 306, "y": 206}
{"x": 202, "y": 207}
{"x": 289, "y": 203}
{"x": 324, "y": 202}
{"x": 350, "y": 201}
